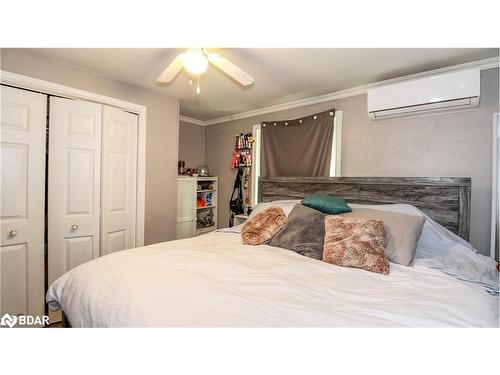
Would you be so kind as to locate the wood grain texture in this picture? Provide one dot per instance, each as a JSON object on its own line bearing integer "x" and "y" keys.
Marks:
{"x": 445, "y": 199}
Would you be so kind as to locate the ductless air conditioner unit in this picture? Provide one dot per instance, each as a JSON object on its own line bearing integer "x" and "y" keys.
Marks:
{"x": 441, "y": 92}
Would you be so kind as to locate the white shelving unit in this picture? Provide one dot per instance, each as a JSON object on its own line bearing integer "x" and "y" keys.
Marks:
{"x": 196, "y": 205}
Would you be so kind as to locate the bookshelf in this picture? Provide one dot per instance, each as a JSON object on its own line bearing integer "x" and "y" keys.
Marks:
{"x": 196, "y": 205}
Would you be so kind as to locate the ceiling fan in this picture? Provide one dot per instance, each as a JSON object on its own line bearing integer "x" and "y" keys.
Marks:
{"x": 195, "y": 61}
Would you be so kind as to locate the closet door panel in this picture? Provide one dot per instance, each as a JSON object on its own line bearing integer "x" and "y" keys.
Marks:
{"x": 22, "y": 127}
{"x": 74, "y": 184}
{"x": 15, "y": 290}
{"x": 15, "y": 172}
{"x": 79, "y": 250}
{"x": 119, "y": 180}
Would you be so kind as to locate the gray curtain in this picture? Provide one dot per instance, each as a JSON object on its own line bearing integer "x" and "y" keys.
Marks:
{"x": 300, "y": 147}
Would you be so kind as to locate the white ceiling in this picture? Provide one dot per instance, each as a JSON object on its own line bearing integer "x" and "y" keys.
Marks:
{"x": 281, "y": 75}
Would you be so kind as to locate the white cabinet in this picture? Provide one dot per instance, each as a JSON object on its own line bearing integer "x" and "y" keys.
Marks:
{"x": 196, "y": 205}
{"x": 186, "y": 207}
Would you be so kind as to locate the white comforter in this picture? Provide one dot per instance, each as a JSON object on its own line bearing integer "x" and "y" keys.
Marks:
{"x": 213, "y": 280}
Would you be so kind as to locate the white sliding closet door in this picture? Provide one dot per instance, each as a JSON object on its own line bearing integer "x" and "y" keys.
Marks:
{"x": 74, "y": 184}
{"x": 119, "y": 180}
{"x": 23, "y": 123}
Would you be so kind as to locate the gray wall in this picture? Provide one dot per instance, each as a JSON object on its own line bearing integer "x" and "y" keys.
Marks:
{"x": 447, "y": 144}
{"x": 161, "y": 138}
{"x": 191, "y": 144}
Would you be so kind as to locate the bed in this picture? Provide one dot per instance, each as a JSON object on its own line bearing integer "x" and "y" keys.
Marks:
{"x": 215, "y": 281}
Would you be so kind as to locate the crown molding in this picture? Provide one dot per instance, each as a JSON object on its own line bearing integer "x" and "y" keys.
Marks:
{"x": 191, "y": 120}
{"x": 47, "y": 87}
{"x": 290, "y": 105}
{"x": 484, "y": 64}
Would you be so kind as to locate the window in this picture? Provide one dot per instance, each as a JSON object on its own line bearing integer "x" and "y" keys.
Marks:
{"x": 336, "y": 157}
{"x": 255, "y": 166}
{"x": 335, "y": 162}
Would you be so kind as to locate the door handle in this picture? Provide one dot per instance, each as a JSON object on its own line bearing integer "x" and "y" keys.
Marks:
{"x": 74, "y": 227}
{"x": 13, "y": 233}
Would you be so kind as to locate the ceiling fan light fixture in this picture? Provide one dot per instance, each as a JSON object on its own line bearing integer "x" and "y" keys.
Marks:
{"x": 194, "y": 61}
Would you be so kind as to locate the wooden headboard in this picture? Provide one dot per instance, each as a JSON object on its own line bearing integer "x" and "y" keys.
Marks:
{"x": 445, "y": 199}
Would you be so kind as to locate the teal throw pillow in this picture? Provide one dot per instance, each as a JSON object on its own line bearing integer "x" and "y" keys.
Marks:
{"x": 327, "y": 204}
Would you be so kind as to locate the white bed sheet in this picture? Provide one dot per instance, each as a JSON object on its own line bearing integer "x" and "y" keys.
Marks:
{"x": 214, "y": 280}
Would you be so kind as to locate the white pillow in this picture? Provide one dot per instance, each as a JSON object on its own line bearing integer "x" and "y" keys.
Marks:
{"x": 433, "y": 235}
{"x": 286, "y": 205}
{"x": 442, "y": 249}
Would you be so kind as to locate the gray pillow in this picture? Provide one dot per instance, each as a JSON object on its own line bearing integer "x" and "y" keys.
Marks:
{"x": 304, "y": 232}
{"x": 401, "y": 232}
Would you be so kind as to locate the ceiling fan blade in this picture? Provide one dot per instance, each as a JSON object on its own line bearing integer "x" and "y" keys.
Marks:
{"x": 172, "y": 70}
{"x": 230, "y": 69}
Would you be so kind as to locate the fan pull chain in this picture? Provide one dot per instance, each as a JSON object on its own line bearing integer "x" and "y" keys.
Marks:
{"x": 198, "y": 87}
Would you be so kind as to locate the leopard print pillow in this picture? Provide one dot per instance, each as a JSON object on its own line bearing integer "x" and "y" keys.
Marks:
{"x": 263, "y": 226}
{"x": 355, "y": 243}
